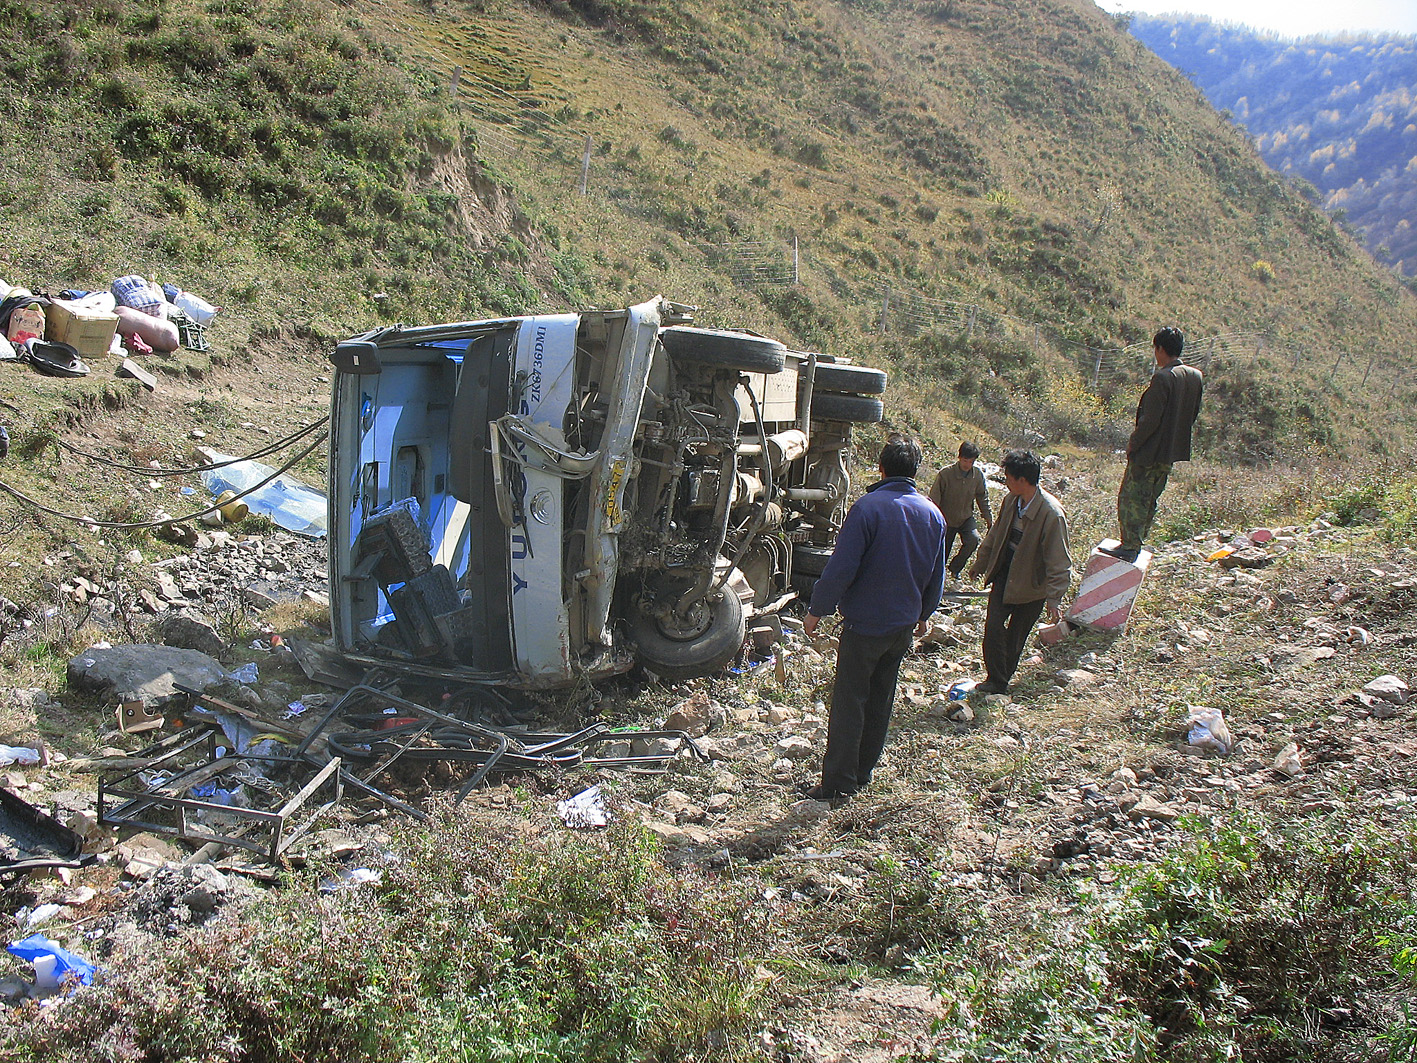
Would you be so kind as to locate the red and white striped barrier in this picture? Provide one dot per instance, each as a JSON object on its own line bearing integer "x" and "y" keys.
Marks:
{"x": 1109, "y": 586}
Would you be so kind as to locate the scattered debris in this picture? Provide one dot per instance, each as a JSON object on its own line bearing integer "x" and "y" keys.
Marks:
{"x": 55, "y": 968}
{"x": 31, "y": 839}
{"x": 585, "y": 809}
{"x": 130, "y": 368}
{"x": 1207, "y": 729}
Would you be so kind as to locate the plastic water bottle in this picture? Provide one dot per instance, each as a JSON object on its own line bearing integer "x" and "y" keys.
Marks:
{"x": 960, "y": 688}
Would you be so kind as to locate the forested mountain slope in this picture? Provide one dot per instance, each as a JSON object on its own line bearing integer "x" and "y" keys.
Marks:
{"x": 1339, "y": 113}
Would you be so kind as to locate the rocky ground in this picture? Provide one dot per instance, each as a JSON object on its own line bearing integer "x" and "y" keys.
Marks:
{"x": 1089, "y": 765}
{"x": 982, "y": 805}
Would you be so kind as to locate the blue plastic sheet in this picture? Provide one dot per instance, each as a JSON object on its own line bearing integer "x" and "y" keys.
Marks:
{"x": 66, "y": 964}
{"x": 287, "y": 501}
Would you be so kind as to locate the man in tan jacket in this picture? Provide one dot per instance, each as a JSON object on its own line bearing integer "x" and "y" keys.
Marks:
{"x": 956, "y": 491}
{"x": 1025, "y": 563}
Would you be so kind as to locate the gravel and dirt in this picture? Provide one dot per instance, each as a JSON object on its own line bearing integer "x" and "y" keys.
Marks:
{"x": 1087, "y": 766}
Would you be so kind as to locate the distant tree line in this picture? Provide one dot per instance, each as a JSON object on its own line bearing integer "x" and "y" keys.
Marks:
{"x": 1338, "y": 115}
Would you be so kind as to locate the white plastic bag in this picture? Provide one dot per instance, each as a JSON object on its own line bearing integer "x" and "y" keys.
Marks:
{"x": 197, "y": 308}
{"x": 1207, "y": 729}
{"x": 585, "y": 810}
{"x": 285, "y": 500}
{"x": 21, "y": 755}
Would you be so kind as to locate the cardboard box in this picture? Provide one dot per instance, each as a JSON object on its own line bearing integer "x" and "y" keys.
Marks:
{"x": 90, "y": 332}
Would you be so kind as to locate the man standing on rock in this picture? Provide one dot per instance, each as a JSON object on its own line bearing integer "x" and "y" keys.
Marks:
{"x": 1026, "y": 566}
{"x": 887, "y": 575}
{"x": 956, "y": 491}
{"x": 1165, "y": 414}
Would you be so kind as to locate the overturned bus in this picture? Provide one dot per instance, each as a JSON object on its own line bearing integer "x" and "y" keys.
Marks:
{"x": 531, "y": 500}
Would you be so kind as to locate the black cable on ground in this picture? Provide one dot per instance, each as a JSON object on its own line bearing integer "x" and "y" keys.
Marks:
{"x": 146, "y": 470}
{"x": 124, "y": 526}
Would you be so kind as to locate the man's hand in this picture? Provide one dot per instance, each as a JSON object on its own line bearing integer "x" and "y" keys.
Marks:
{"x": 921, "y": 628}
{"x": 1055, "y": 613}
{"x": 809, "y": 625}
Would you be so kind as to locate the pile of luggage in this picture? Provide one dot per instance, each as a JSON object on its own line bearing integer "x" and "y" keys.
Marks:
{"x": 55, "y": 333}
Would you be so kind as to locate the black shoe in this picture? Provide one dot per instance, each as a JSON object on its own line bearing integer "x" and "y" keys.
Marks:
{"x": 991, "y": 686}
{"x": 1129, "y": 556}
{"x": 818, "y": 792}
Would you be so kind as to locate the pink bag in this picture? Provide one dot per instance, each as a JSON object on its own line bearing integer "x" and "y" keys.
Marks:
{"x": 157, "y": 332}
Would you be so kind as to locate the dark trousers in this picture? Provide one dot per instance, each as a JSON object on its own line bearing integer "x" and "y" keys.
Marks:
{"x": 968, "y": 534}
{"x": 1006, "y": 629}
{"x": 862, "y": 699}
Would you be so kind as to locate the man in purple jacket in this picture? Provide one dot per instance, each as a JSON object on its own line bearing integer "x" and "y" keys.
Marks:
{"x": 886, "y": 575}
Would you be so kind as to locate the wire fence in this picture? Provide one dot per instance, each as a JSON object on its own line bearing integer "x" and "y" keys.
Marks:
{"x": 753, "y": 263}
{"x": 909, "y": 313}
{"x": 522, "y": 126}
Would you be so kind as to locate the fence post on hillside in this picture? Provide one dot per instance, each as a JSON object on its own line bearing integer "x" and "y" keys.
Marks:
{"x": 1096, "y": 369}
{"x": 969, "y": 330}
{"x": 457, "y": 77}
{"x": 1297, "y": 352}
{"x": 1395, "y": 378}
{"x": 795, "y": 259}
{"x": 1036, "y": 338}
{"x": 1371, "y": 360}
{"x": 585, "y": 167}
{"x": 1334, "y": 368}
{"x": 885, "y": 309}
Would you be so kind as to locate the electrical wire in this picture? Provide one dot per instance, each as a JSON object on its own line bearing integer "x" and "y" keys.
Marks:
{"x": 133, "y": 526}
{"x": 270, "y": 448}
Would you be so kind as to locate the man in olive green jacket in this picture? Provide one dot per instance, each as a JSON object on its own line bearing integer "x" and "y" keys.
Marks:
{"x": 1165, "y": 414}
{"x": 1025, "y": 563}
{"x": 956, "y": 491}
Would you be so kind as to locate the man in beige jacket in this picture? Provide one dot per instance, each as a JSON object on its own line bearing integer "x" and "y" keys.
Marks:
{"x": 956, "y": 491}
{"x": 1025, "y": 563}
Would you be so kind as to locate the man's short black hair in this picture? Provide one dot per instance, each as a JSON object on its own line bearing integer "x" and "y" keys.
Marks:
{"x": 969, "y": 450}
{"x": 1170, "y": 340}
{"x": 900, "y": 457}
{"x": 1023, "y": 465}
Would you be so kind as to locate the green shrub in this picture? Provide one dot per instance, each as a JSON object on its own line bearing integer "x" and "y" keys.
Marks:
{"x": 1359, "y": 505}
{"x": 1053, "y": 1002}
{"x": 475, "y": 947}
{"x": 1259, "y": 939}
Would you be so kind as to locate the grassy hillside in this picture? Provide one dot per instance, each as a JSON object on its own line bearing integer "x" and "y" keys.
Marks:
{"x": 928, "y": 173}
{"x": 996, "y": 200}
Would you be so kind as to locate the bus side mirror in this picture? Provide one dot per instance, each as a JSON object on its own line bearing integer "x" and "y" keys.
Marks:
{"x": 359, "y": 357}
